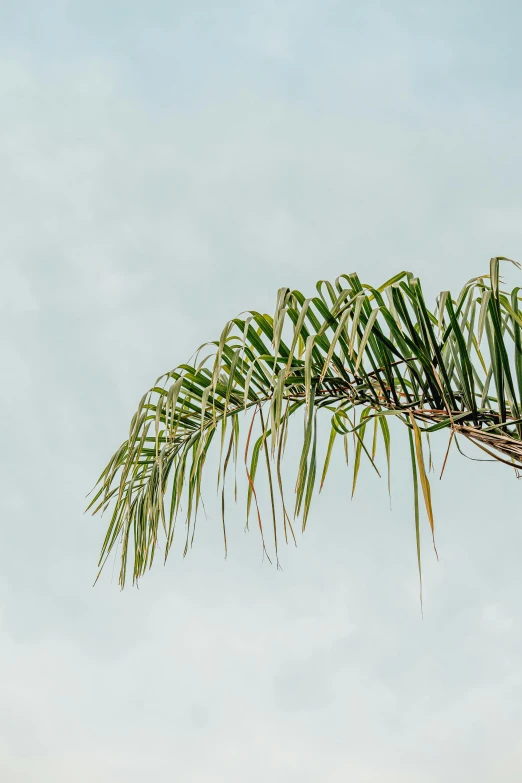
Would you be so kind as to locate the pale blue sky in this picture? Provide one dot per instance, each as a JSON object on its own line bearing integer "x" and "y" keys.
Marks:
{"x": 165, "y": 166}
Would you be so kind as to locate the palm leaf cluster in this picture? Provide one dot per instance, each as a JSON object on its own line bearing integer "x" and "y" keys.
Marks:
{"x": 358, "y": 354}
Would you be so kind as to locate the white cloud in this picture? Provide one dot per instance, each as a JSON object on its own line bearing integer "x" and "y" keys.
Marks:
{"x": 497, "y": 619}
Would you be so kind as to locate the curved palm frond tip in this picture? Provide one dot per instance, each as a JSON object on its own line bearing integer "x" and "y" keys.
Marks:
{"x": 361, "y": 354}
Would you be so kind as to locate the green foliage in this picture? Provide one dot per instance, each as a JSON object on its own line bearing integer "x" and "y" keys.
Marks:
{"x": 358, "y": 353}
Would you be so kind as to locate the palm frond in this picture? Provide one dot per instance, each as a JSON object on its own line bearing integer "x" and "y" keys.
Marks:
{"x": 354, "y": 353}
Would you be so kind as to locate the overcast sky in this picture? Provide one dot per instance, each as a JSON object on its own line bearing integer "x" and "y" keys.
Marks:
{"x": 164, "y": 166}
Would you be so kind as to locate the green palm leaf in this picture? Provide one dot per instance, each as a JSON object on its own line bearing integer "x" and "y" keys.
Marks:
{"x": 351, "y": 354}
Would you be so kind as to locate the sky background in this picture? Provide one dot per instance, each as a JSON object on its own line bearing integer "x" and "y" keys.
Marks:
{"x": 164, "y": 167}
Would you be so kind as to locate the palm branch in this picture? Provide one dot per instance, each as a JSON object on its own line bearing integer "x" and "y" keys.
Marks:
{"x": 353, "y": 353}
